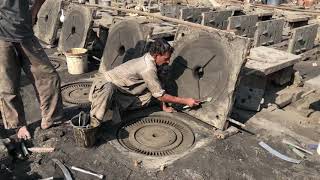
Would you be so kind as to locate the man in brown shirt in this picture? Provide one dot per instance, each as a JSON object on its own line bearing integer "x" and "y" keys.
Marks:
{"x": 133, "y": 84}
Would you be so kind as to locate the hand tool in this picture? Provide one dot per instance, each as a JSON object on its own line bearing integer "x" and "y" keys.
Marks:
{"x": 100, "y": 176}
{"x": 208, "y": 99}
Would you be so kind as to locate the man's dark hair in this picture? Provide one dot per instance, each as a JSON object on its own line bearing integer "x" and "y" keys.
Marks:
{"x": 160, "y": 46}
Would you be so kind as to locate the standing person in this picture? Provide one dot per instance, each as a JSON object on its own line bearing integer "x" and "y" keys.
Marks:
{"x": 20, "y": 49}
{"x": 133, "y": 84}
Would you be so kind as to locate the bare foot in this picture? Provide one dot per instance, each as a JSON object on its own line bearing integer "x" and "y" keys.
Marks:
{"x": 45, "y": 125}
{"x": 169, "y": 109}
{"x": 23, "y": 133}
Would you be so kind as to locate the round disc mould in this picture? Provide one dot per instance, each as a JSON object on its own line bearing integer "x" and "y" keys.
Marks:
{"x": 200, "y": 68}
{"x": 156, "y": 136}
{"x": 125, "y": 42}
{"x": 76, "y": 93}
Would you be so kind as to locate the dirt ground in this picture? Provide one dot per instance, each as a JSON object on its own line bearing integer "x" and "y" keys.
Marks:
{"x": 237, "y": 157}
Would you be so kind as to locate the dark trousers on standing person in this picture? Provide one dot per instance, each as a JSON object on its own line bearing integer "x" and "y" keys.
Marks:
{"x": 29, "y": 56}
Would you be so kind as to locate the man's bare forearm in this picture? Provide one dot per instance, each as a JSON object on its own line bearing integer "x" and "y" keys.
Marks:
{"x": 167, "y": 98}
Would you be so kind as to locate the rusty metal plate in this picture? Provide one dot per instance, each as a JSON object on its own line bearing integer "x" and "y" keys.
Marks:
{"x": 303, "y": 38}
{"x": 243, "y": 25}
{"x": 48, "y": 22}
{"x": 269, "y": 32}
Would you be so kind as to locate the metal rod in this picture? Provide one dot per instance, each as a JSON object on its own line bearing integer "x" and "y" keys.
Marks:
{"x": 65, "y": 171}
{"x": 296, "y": 146}
{"x": 100, "y": 176}
{"x": 236, "y": 122}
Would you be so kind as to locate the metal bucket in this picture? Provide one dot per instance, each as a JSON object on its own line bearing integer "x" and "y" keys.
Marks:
{"x": 77, "y": 60}
{"x": 274, "y": 2}
{"x": 85, "y": 129}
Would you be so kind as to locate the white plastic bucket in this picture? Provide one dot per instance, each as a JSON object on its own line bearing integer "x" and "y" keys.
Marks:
{"x": 77, "y": 60}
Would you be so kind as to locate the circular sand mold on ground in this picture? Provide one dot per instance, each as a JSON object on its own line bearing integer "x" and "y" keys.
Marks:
{"x": 76, "y": 93}
{"x": 156, "y": 136}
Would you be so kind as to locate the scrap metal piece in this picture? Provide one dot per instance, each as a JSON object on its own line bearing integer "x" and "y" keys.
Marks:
{"x": 76, "y": 28}
{"x": 296, "y": 146}
{"x": 65, "y": 171}
{"x": 126, "y": 40}
{"x": 100, "y": 176}
{"x": 279, "y": 155}
{"x": 243, "y": 25}
{"x": 41, "y": 149}
{"x": 299, "y": 153}
{"x": 24, "y": 149}
{"x": 302, "y": 38}
{"x": 268, "y": 32}
{"x": 207, "y": 65}
{"x": 46, "y": 28}
{"x": 216, "y": 19}
{"x": 227, "y": 133}
{"x": 76, "y": 93}
{"x": 192, "y": 14}
{"x": 156, "y": 136}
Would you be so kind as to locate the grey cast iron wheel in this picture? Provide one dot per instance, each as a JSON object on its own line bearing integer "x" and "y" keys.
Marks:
{"x": 125, "y": 42}
{"x": 199, "y": 67}
{"x": 47, "y": 25}
{"x": 75, "y": 28}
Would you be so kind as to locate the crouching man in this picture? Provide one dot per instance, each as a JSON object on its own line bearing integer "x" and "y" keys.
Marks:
{"x": 133, "y": 84}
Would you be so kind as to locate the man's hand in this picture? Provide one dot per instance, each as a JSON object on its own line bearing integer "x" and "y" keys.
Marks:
{"x": 23, "y": 133}
{"x": 179, "y": 100}
{"x": 167, "y": 109}
{"x": 192, "y": 102}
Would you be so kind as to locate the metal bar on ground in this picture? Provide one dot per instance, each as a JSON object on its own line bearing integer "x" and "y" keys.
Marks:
{"x": 276, "y": 153}
{"x": 100, "y": 176}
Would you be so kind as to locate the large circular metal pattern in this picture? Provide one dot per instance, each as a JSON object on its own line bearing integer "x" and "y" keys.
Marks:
{"x": 75, "y": 28}
{"x": 200, "y": 68}
{"x": 125, "y": 42}
{"x": 156, "y": 136}
{"x": 76, "y": 93}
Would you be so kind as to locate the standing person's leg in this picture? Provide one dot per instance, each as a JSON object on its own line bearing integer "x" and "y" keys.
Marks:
{"x": 45, "y": 79}
{"x": 11, "y": 105}
{"x": 101, "y": 97}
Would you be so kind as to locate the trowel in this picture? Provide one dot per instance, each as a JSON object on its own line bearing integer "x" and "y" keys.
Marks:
{"x": 208, "y": 99}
